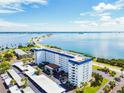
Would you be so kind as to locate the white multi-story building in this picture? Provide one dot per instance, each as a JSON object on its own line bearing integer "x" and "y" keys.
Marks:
{"x": 79, "y": 68}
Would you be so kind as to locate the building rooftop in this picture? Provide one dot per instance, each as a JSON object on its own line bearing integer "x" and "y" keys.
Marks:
{"x": 15, "y": 76}
{"x": 7, "y": 81}
{"x": 60, "y": 51}
{"x": 14, "y": 89}
{"x": 75, "y": 57}
{"x": 41, "y": 80}
{"x": 20, "y": 52}
{"x": 79, "y": 59}
{"x": 53, "y": 66}
{"x": 28, "y": 90}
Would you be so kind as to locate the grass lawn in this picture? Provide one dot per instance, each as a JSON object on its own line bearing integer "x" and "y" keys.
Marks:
{"x": 95, "y": 89}
{"x": 96, "y": 67}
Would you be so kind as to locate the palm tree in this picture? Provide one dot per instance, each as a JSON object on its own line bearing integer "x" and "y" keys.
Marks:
{"x": 112, "y": 73}
{"x": 106, "y": 89}
{"x": 38, "y": 71}
{"x": 13, "y": 82}
{"x": 25, "y": 82}
{"x": 79, "y": 90}
{"x": 85, "y": 84}
{"x": 112, "y": 84}
{"x": 106, "y": 69}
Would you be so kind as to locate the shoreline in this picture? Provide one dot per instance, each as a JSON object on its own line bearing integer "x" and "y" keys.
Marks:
{"x": 117, "y": 62}
{"x": 87, "y": 55}
{"x": 112, "y": 61}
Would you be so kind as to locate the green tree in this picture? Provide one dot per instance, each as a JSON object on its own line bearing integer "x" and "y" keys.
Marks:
{"x": 112, "y": 73}
{"x": 79, "y": 90}
{"x": 38, "y": 71}
{"x": 13, "y": 82}
{"x": 8, "y": 56}
{"x": 4, "y": 66}
{"x": 84, "y": 84}
{"x": 98, "y": 79}
{"x": 25, "y": 82}
{"x": 2, "y": 48}
{"x": 112, "y": 84}
{"x": 114, "y": 62}
{"x": 106, "y": 69}
{"x": 106, "y": 89}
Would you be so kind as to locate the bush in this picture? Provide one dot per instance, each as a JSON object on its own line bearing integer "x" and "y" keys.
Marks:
{"x": 114, "y": 62}
{"x": 38, "y": 71}
{"x": 4, "y": 66}
{"x": 98, "y": 80}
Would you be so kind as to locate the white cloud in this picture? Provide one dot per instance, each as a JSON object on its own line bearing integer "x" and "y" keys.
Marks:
{"x": 12, "y": 6}
{"x": 23, "y": 1}
{"x": 103, "y": 14}
{"x": 120, "y": 20}
{"x": 104, "y": 23}
{"x": 79, "y": 25}
{"x": 94, "y": 14}
{"x": 104, "y": 7}
{"x": 14, "y": 26}
{"x": 101, "y": 17}
{"x": 105, "y": 18}
{"x": 6, "y": 24}
{"x": 109, "y": 21}
{"x": 85, "y": 23}
{"x": 119, "y": 4}
{"x": 84, "y": 14}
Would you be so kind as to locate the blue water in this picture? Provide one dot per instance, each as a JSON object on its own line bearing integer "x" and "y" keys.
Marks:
{"x": 15, "y": 39}
{"x": 107, "y": 45}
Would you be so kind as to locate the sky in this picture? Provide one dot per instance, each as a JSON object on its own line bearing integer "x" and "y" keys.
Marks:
{"x": 61, "y": 15}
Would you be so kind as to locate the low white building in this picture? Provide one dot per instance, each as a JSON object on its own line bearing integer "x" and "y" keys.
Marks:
{"x": 44, "y": 84}
{"x": 79, "y": 68}
{"x": 14, "y": 89}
